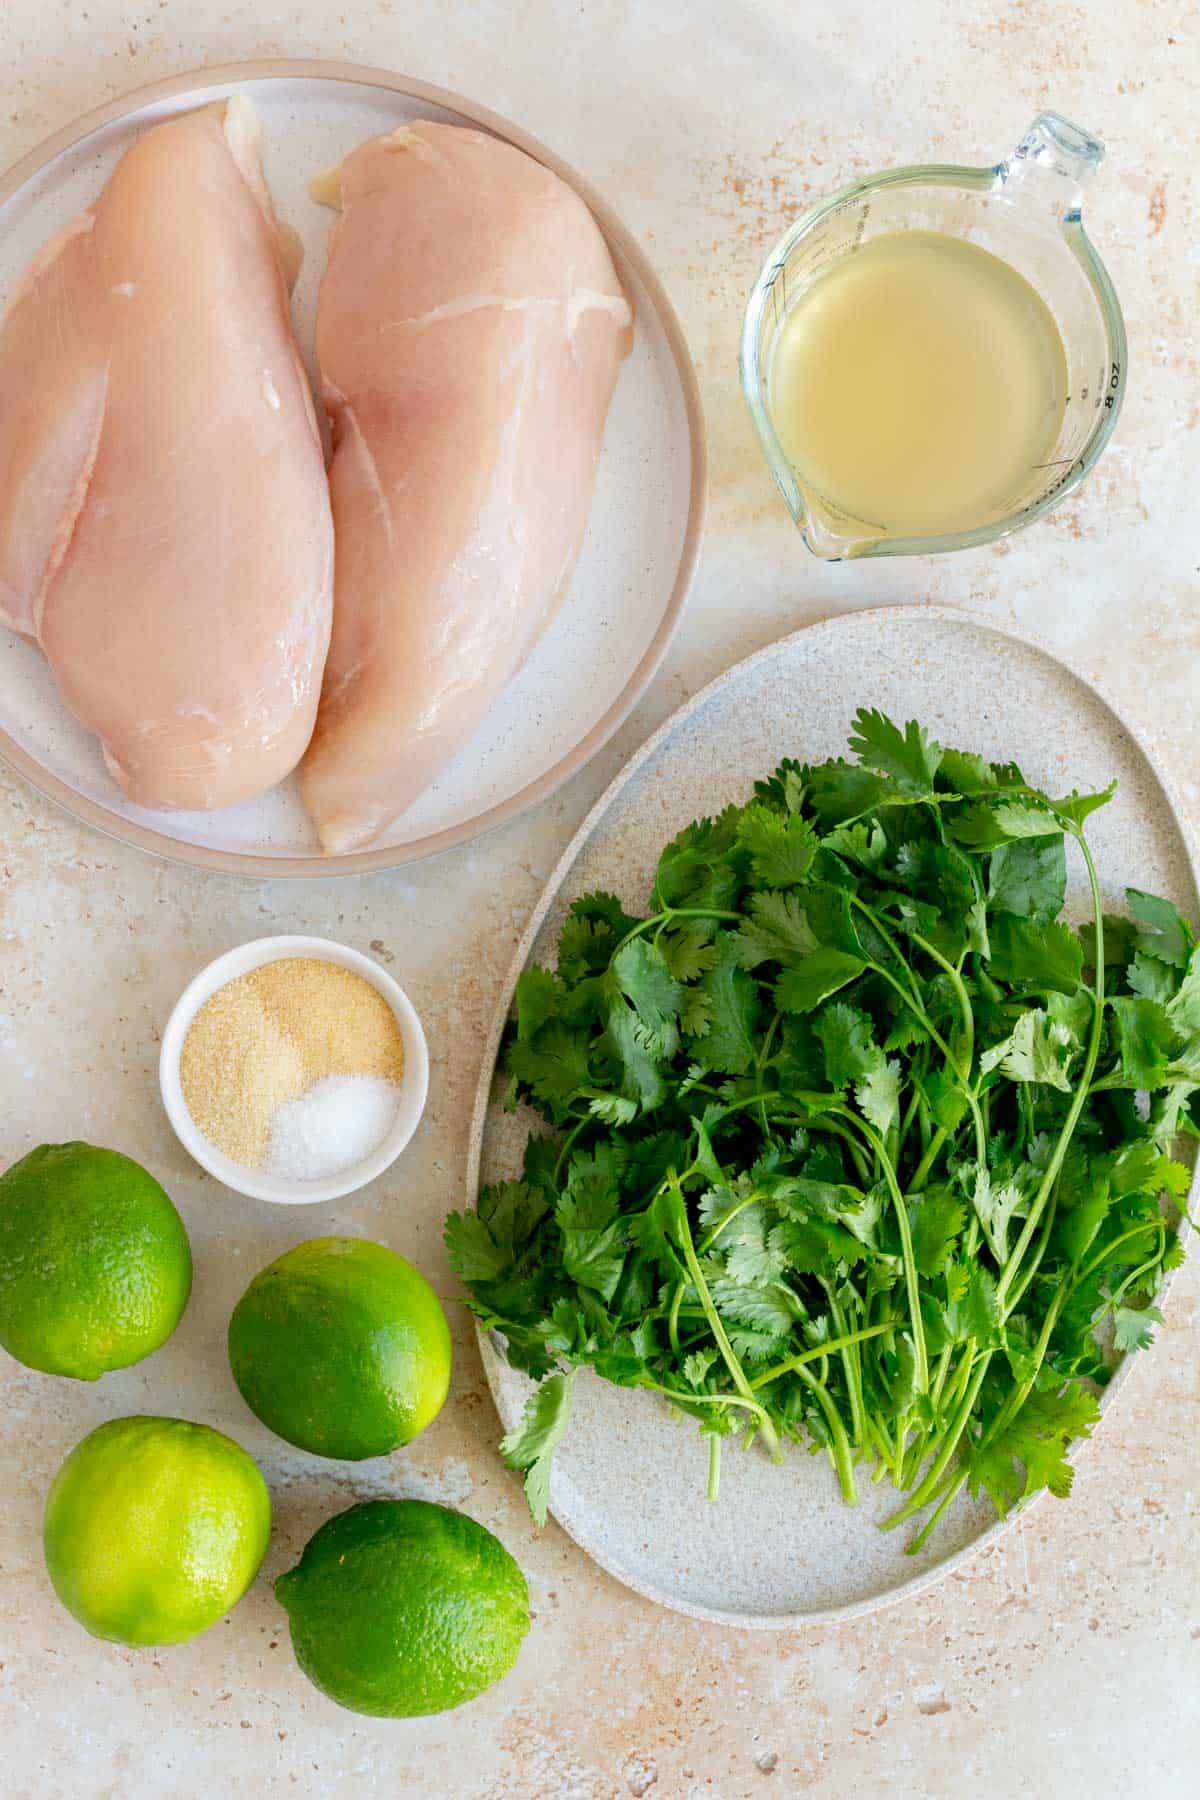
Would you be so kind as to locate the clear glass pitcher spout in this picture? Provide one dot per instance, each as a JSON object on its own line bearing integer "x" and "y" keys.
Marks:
{"x": 1027, "y": 211}
{"x": 1051, "y": 165}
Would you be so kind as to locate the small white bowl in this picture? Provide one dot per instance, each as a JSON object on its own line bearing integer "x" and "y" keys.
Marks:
{"x": 255, "y": 1183}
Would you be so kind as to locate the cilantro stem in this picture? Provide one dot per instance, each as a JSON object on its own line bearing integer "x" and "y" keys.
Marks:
{"x": 688, "y": 1248}
{"x": 961, "y": 1074}
{"x": 1105, "y": 1254}
{"x": 920, "y": 1448}
{"x": 813, "y": 1122}
{"x": 888, "y": 1463}
{"x": 1000, "y": 1423}
{"x": 907, "y": 994}
{"x": 673, "y": 1316}
{"x": 911, "y": 1278}
{"x": 1131, "y": 1281}
{"x": 665, "y": 916}
{"x": 960, "y": 994}
{"x": 906, "y": 1123}
{"x": 688, "y": 1399}
{"x": 710, "y": 1237}
{"x": 922, "y": 1495}
{"x": 567, "y": 1143}
{"x": 851, "y": 1366}
{"x": 962, "y": 1068}
{"x": 1078, "y": 1099}
{"x": 818, "y": 1350}
{"x": 839, "y": 1449}
{"x": 931, "y": 1524}
{"x": 1020, "y": 1393}
{"x": 1035, "y": 1261}
{"x": 714, "y": 1469}
{"x": 927, "y": 1161}
{"x": 943, "y": 1369}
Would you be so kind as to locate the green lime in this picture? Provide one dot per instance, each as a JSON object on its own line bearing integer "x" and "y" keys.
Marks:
{"x": 398, "y": 1607}
{"x": 95, "y": 1268}
{"x": 154, "y": 1528}
{"x": 341, "y": 1347}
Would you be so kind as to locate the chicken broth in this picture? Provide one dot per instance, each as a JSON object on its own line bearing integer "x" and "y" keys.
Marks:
{"x": 917, "y": 384}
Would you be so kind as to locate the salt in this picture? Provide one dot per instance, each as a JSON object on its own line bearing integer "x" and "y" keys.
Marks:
{"x": 333, "y": 1125}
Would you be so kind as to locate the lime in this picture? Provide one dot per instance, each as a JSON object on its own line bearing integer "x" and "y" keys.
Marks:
{"x": 399, "y": 1607}
{"x": 154, "y": 1528}
{"x": 95, "y": 1268}
{"x": 341, "y": 1347}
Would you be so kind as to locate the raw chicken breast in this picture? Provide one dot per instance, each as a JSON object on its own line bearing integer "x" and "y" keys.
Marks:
{"x": 165, "y": 532}
{"x": 469, "y": 335}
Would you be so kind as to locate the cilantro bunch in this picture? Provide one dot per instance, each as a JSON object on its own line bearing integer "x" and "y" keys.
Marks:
{"x": 853, "y": 1141}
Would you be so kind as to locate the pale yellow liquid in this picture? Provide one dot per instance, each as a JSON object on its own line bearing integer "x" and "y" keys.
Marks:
{"x": 917, "y": 385}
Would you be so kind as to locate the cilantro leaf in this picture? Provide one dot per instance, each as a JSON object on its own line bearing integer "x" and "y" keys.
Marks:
{"x": 864, "y": 843}
{"x": 1152, "y": 979}
{"x": 696, "y": 1366}
{"x": 699, "y": 867}
{"x": 910, "y": 757}
{"x": 973, "y": 1310}
{"x": 1183, "y": 1008}
{"x": 717, "y": 1204}
{"x": 1081, "y": 1214}
{"x": 1077, "y": 807}
{"x": 840, "y": 791}
{"x": 814, "y": 1246}
{"x": 512, "y": 1212}
{"x": 750, "y": 1256}
{"x": 945, "y": 1098}
{"x": 1133, "y": 1327}
{"x": 733, "y": 1007}
{"x": 966, "y": 773}
{"x": 761, "y": 1308}
{"x": 878, "y": 1095}
{"x": 847, "y": 1038}
{"x": 637, "y": 1056}
{"x": 935, "y": 1219}
{"x": 1164, "y": 932}
{"x": 1035, "y": 954}
{"x": 1028, "y": 876}
{"x": 784, "y": 790}
{"x": 996, "y": 1204}
{"x": 1146, "y": 1040}
{"x": 536, "y": 999}
{"x": 584, "y": 947}
{"x": 553, "y": 1064}
{"x": 777, "y": 931}
{"x": 614, "y": 1109}
{"x": 1036, "y": 1050}
{"x": 781, "y": 846}
{"x": 473, "y": 1252}
{"x": 1030, "y": 1452}
{"x": 1118, "y": 933}
{"x": 531, "y": 1445}
{"x": 802, "y": 988}
{"x": 644, "y": 977}
{"x": 593, "y": 1237}
{"x": 984, "y": 825}
{"x": 688, "y": 950}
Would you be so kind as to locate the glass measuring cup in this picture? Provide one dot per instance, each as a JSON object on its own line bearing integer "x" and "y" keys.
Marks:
{"x": 1025, "y": 210}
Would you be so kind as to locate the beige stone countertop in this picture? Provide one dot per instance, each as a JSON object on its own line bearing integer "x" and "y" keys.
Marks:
{"x": 1066, "y": 1660}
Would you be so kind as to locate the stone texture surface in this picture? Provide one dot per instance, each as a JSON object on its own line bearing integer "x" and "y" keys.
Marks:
{"x": 1064, "y": 1662}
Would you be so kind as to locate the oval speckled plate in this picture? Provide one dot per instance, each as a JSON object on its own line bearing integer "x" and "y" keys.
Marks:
{"x": 610, "y": 634}
{"x": 779, "y": 1548}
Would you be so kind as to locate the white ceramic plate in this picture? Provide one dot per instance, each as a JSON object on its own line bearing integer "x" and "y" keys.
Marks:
{"x": 611, "y": 633}
{"x": 779, "y": 1547}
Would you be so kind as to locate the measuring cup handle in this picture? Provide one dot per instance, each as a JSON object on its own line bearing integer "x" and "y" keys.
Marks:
{"x": 1051, "y": 164}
